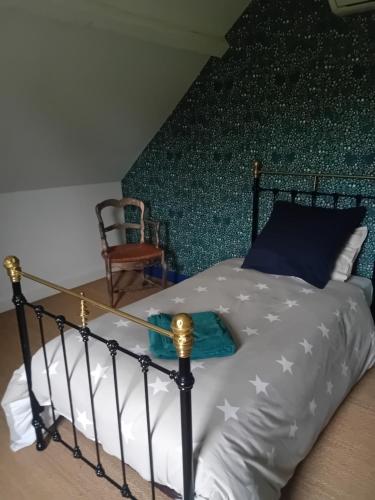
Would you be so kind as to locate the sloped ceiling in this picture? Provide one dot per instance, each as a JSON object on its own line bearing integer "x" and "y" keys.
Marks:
{"x": 87, "y": 83}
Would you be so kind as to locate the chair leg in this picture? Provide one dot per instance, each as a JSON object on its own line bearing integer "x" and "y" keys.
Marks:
{"x": 108, "y": 272}
{"x": 118, "y": 287}
{"x": 112, "y": 290}
{"x": 143, "y": 276}
{"x": 107, "y": 278}
{"x": 164, "y": 273}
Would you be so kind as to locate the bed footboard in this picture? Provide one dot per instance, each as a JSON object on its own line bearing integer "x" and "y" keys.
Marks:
{"x": 182, "y": 335}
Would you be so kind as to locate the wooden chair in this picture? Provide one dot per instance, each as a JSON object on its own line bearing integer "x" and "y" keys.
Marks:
{"x": 133, "y": 255}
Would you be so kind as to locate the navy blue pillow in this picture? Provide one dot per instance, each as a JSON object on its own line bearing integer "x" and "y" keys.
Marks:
{"x": 303, "y": 241}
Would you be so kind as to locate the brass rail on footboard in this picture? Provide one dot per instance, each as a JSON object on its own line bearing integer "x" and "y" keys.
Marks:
{"x": 182, "y": 336}
{"x": 12, "y": 265}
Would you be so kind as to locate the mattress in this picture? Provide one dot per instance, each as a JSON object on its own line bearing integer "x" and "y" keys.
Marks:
{"x": 365, "y": 285}
{"x": 256, "y": 414}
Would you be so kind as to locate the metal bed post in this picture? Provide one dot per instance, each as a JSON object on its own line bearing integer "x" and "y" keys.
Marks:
{"x": 12, "y": 265}
{"x": 373, "y": 297}
{"x": 182, "y": 328}
{"x": 257, "y": 170}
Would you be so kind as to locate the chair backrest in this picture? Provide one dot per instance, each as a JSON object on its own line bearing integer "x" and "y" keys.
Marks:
{"x": 121, "y": 204}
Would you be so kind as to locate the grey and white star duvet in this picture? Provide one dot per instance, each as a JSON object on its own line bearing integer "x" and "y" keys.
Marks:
{"x": 256, "y": 414}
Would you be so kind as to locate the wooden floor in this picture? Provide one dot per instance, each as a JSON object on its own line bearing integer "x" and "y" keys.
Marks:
{"x": 341, "y": 466}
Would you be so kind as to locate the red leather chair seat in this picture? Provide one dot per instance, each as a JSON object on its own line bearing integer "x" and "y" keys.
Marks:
{"x": 132, "y": 252}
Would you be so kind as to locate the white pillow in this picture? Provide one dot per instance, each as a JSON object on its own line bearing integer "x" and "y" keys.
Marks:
{"x": 345, "y": 261}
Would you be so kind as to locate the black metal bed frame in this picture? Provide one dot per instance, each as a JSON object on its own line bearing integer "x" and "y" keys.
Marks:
{"x": 182, "y": 328}
{"x": 182, "y": 337}
{"x": 313, "y": 194}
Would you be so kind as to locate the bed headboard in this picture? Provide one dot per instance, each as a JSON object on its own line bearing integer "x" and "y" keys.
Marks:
{"x": 317, "y": 189}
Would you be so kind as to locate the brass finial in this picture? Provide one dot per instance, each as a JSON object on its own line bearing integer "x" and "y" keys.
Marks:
{"x": 182, "y": 328}
{"x": 12, "y": 265}
{"x": 257, "y": 169}
{"x": 84, "y": 310}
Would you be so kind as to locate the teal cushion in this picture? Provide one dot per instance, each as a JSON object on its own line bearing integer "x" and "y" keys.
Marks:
{"x": 211, "y": 337}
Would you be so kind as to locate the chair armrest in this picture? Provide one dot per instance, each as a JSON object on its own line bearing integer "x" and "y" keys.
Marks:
{"x": 155, "y": 228}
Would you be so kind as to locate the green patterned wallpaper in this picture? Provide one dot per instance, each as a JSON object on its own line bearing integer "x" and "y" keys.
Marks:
{"x": 296, "y": 89}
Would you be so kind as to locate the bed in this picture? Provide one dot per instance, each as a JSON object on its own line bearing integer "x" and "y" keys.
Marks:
{"x": 254, "y": 415}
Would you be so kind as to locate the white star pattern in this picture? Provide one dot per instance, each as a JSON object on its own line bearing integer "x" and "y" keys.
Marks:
{"x": 223, "y": 310}
{"x": 229, "y": 411}
{"x": 272, "y": 317}
{"x": 261, "y": 286}
{"x": 293, "y": 429}
{"x": 329, "y": 387}
{"x": 287, "y": 365}
{"x": 306, "y": 291}
{"x": 178, "y": 300}
{"x": 291, "y": 303}
{"x": 271, "y": 456}
{"x": 352, "y": 303}
{"x": 127, "y": 432}
{"x": 259, "y": 385}
{"x": 250, "y": 331}
{"x": 344, "y": 369}
{"x": 52, "y": 368}
{"x": 138, "y": 349}
{"x": 99, "y": 372}
{"x": 152, "y": 311}
{"x": 197, "y": 364}
{"x": 322, "y": 327}
{"x": 82, "y": 419}
{"x": 159, "y": 386}
{"x": 121, "y": 322}
{"x": 242, "y": 297}
{"x": 312, "y": 407}
{"x": 237, "y": 269}
{"x": 308, "y": 347}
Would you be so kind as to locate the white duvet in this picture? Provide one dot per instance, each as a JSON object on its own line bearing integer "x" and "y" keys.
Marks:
{"x": 256, "y": 414}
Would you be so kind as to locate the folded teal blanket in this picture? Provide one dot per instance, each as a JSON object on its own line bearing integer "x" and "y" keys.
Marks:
{"x": 211, "y": 337}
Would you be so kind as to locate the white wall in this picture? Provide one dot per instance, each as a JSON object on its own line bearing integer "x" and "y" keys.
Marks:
{"x": 55, "y": 235}
{"x": 78, "y": 105}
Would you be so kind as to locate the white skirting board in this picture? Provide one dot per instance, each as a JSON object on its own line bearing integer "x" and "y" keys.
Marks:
{"x": 54, "y": 232}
